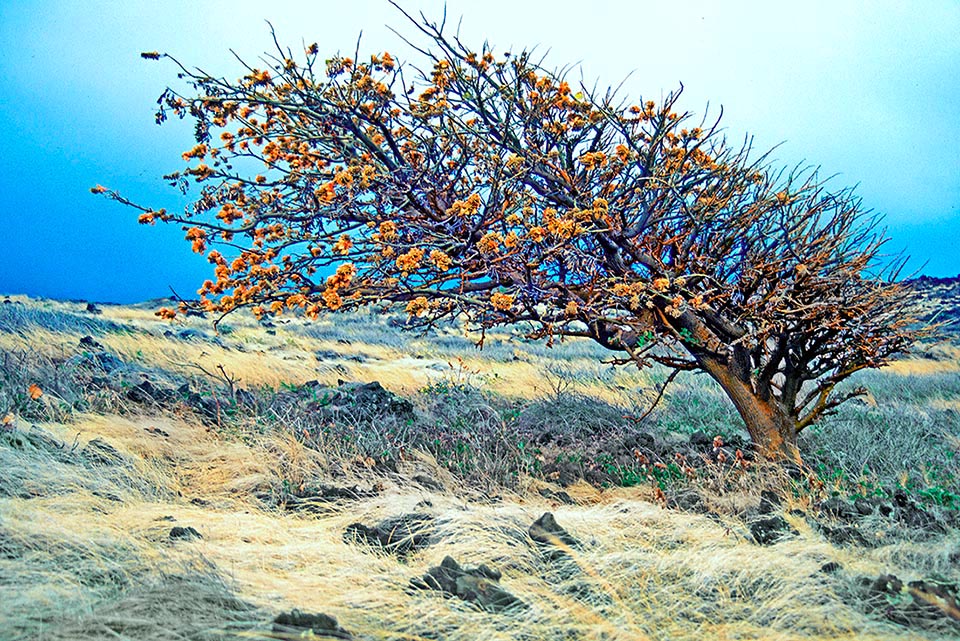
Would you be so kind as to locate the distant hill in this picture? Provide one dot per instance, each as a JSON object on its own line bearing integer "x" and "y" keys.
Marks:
{"x": 940, "y": 300}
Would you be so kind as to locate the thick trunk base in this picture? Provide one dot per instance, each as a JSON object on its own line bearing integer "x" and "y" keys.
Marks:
{"x": 772, "y": 430}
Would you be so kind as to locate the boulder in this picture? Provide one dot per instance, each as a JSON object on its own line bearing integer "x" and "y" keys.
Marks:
{"x": 402, "y": 535}
{"x": 547, "y": 533}
{"x": 770, "y": 530}
{"x": 178, "y": 533}
{"x": 373, "y": 399}
{"x": 919, "y": 604}
{"x": 558, "y": 495}
{"x": 300, "y": 625}
{"x": 100, "y": 452}
{"x": 479, "y": 585}
{"x": 89, "y": 343}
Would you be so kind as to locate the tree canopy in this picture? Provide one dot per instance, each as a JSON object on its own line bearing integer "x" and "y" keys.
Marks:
{"x": 485, "y": 186}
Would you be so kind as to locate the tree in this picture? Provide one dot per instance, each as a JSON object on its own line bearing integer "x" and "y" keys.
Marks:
{"x": 487, "y": 187}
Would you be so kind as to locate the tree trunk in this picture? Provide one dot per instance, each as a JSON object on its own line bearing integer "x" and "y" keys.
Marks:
{"x": 772, "y": 429}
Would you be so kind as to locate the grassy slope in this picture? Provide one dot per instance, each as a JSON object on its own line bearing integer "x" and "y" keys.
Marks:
{"x": 85, "y": 550}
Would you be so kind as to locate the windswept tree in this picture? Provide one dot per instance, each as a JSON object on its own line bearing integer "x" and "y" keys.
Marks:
{"x": 486, "y": 187}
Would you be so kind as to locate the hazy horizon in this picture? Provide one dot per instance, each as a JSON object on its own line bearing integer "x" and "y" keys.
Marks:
{"x": 866, "y": 91}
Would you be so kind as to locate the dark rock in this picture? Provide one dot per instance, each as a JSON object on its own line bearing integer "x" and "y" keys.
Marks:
{"x": 830, "y": 568}
{"x": 93, "y": 309}
{"x": 640, "y": 441}
{"x": 109, "y": 496}
{"x": 89, "y": 342}
{"x": 372, "y": 398}
{"x": 922, "y": 604}
{"x": 926, "y": 523}
{"x": 846, "y": 535}
{"x": 770, "y": 530}
{"x": 147, "y": 393}
{"x": 864, "y": 507}
{"x": 700, "y": 440}
{"x": 566, "y": 473}
{"x": 545, "y": 531}
{"x": 156, "y": 431}
{"x": 479, "y": 585}
{"x": 402, "y": 535}
{"x": 428, "y": 482}
{"x": 296, "y": 625}
{"x": 178, "y": 533}
{"x": 769, "y": 502}
{"x": 840, "y": 509}
{"x": 108, "y": 362}
{"x": 314, "y": 499}
{"x": 35, "y": 439}
{"x": 245, "y": 398}
{"x": 104, "y": 361}
{"x": 794, "y": 471}
{"x": 688, "y": 501}
{"x": 901, "y": 499}
{"x": 100, "y": 452}
{"x": 559, "y": 495}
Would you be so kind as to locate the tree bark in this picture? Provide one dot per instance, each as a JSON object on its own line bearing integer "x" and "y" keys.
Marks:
{"x": 772, "y": 429}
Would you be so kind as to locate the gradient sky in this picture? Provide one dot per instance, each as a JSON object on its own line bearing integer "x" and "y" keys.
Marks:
{"x": 869, "y": 91}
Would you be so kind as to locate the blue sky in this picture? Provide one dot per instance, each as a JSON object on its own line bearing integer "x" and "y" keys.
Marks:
{"x": 867, "y": 90}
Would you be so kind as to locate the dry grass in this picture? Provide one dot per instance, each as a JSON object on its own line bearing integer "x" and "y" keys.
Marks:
{"x": 85, "y": 551}
{"x": 643, "y": 571}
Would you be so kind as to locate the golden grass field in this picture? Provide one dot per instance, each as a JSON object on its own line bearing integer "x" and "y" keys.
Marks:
{"x": 85, "y": 550}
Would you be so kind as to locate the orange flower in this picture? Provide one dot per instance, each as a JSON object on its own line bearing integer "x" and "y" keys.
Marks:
{"x": 34, "y": 391}
{"x": 198, "y": 151}
{"x": 165, "y": 313}
{"x": 332, "y": 299}
{"x": 97, "y": 189}
{"x": 418, "y": 306}
{"x": 388, "y": 231}
{"x": 440, "y": 260}
{"x": 387, "y": 61}
{"x": 661, "y": 284}
{"x": 198, "y": 237}
{"x": 410, "y": 260}
{"x": 490, "y": 243}
{"x": 563, "y": 228}
{"x": 593, "y": 160}
{"x": 342, "y": 277}
{"x": 465, "y": 208}
{"x": 326, "y": 193}
{"x": 343, "y": 245}
{"x": 500, "y": 301}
